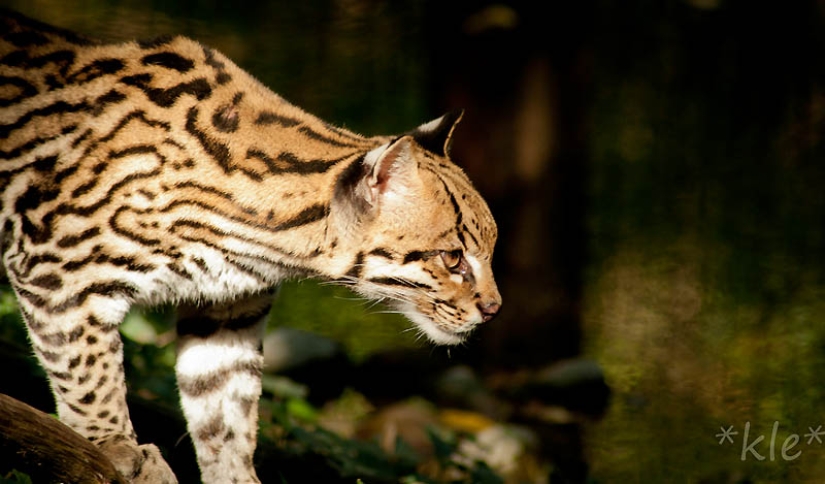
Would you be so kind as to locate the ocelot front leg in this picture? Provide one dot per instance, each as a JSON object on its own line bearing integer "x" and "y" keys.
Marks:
{"x": 78, "y": 344}
{"x": 219, "y": 368}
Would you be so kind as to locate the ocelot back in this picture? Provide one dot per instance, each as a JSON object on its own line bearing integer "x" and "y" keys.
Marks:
{"x": 160, "y": 172}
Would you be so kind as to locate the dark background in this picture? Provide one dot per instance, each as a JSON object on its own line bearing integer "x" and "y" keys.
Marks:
{"x": 656, "y": 170}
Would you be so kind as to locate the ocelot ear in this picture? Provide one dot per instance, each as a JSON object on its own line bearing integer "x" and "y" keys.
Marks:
{"x": 392, "y": 169}
{"x": 386, "y": 172}
{"x": 436, "y": 136}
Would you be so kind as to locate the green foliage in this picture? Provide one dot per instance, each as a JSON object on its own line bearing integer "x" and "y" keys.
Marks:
{"x": 361, "y": 326}
{"x": 445, "y": 445}
{"x": 366, "y": 460}
{"x": 11, "y": 324}
{"x": 15, "y": 477}
{"x": 351, "y": 458}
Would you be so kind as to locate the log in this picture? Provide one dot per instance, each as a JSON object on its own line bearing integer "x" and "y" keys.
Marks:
{"x": 47, "y": 450}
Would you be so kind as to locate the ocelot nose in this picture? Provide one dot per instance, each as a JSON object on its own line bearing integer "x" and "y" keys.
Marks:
{"x": 489, "y": 310}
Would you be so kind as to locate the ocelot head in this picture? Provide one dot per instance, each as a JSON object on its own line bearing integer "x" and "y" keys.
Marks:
{"x": 428, "y": 235}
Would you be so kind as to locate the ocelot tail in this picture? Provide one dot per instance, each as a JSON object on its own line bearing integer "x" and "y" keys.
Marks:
{"x": 160, "y": 172}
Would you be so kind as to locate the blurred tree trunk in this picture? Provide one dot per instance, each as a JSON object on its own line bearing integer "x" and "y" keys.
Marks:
{"x": 521, "y": 73}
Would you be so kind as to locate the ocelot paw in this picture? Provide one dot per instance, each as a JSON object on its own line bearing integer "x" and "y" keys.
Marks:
{"x": 139, "y": 464}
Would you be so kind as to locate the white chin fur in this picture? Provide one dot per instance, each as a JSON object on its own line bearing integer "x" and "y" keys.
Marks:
{"x": 435, "y": 334}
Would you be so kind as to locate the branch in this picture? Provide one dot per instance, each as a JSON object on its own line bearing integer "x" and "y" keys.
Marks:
{"x": 46, "y": 449}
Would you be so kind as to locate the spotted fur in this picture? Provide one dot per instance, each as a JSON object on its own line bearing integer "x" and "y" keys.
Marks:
{"x": 160, "y": 172}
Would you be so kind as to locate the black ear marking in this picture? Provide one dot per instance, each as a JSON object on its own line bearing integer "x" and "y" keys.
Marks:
{"x": 362, "y": 185}
{"x": 436, "y": 136}
{"x": 346, "y": 187}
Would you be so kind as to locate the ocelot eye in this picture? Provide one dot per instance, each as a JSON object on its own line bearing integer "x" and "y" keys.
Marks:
{"x": 452, "y": 260}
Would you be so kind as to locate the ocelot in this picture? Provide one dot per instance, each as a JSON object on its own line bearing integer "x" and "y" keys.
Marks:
{"x": 160, "y": 172}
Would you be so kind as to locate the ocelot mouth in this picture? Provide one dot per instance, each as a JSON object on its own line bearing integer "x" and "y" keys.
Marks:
{"x": 436, "y": 333}
{"x": 442, "y": 336}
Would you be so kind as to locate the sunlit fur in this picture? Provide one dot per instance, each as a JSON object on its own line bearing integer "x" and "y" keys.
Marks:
{"x": 416, "y": 212}
{"x": 161, "y": 173}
